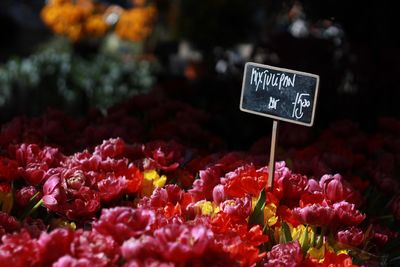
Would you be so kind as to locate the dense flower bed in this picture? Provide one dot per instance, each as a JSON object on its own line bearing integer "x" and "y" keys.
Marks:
{"x": 133, "y": 201}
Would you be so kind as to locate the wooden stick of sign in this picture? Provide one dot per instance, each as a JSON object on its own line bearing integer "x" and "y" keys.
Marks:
{"x": 271, "y": 166}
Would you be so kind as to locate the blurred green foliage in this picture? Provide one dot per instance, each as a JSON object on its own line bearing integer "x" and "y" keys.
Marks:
{"x": 58, "y": 76}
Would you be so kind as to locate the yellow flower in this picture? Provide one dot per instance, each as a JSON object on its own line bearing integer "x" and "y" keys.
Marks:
{"x": 205, "y": 207}
{"x": 151, "y": 180}
{"x": 304, "y": 234}
{"x": 319, "y": 253}
{"x": 270, "y": 214}
{"x": 57, "y": 223}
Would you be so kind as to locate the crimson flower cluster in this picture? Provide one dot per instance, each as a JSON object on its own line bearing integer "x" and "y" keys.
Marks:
{"x": 129, "y": 201}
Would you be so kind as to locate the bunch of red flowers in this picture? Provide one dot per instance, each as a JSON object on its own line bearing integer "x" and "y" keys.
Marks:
{"x": 121, "y": 204}
{"x": 138, "y": 202}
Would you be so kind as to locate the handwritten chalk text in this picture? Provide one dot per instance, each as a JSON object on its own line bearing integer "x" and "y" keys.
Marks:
{"x": 300, "y": 103}
{"x": 272, "y": 102}
{"x": 265, "y": 79}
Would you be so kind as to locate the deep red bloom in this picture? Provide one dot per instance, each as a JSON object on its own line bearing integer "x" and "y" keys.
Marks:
{"x": 245, "y": 180}
{"x": 292, "y": 187}
{"x": 8, "y": 223}
{"x": 24, "y": 194}
{"x": 341, "y": 260}
{"x": 110, "y": 148}
{"x": 287, "y": 215}
{"x": 123, "y": 223}
{"x": 8, "y": 169}
{"x": 312, "y": 198}
{"x": 255, "y": 236}
{"x": 162, "y": 155}
{"x": 351, "y": 236}
{"x": 288, "y": 254}
{"x": 243, "y": 252}
{"x": 381, "y": 234}
{"x": 203, "y": 187}
{"x": 35, "y": 161}
{"x": 19, "y": 250}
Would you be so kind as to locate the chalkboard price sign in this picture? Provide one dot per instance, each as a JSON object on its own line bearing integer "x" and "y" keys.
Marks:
{"x": 281, "y": 94}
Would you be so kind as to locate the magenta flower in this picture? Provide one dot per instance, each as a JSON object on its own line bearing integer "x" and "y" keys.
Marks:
{"x": 140, "y": 248}
{"x": 148, "y": 262}
{"x": 335, "y": 188}
{"x": 179, "y": 243}
{"x": 315, "y": 214}
{"x": 239, "y": 208}
{"x": 313, "y": 186}
{"x": 55, "y": 244}
{"x": 111, "y": 187}
{"x": 35, "y": 161}
{"x": 68, "y": 261}
{"x": 123, "y": 223}
{"x": 288, "y": 254}
{"x": 351, "y": 236}
{"x": 100, "y": 250}
{"x": 67, "y": 191}
{"x": 19, "y": 250}
{"x": 219, "y": 194}
{"x": 347, "y": 214}
{"x": 160, "y": 197}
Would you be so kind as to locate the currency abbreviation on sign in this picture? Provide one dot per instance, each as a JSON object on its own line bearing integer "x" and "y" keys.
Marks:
{"x": 281, "y": 94}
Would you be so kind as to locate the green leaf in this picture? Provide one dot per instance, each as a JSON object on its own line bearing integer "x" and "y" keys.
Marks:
{"x": 286, "y": 236}
{"x": 257, "y": 217}
{"x": 32, "y": 206}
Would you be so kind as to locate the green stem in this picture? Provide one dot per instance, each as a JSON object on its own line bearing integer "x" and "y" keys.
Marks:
{"x": 314, "y": 235}
{"x": 32, "y": 210}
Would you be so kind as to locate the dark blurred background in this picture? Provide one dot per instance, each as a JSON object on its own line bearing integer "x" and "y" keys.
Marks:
{"x": 203, "y": 45}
